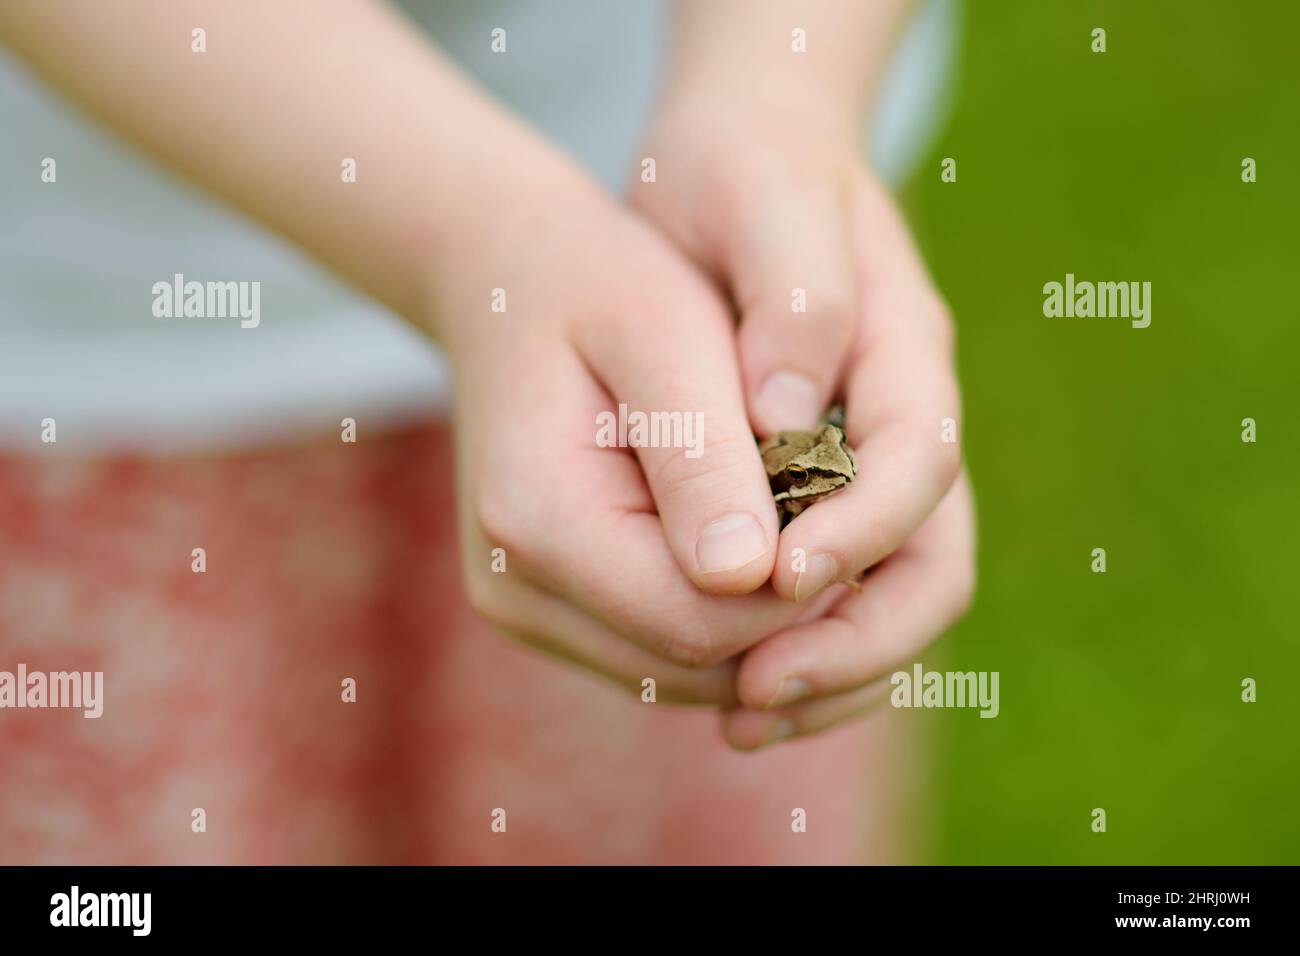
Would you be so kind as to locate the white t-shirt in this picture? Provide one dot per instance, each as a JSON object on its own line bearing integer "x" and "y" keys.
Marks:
{"x": 79, "y": 256}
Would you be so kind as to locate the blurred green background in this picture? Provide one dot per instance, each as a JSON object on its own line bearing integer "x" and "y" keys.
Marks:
{"x": 1123, "y": 690}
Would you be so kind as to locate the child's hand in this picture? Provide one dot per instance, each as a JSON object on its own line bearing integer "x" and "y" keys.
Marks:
{"x": 600, "y": 309}
{"x": 768, "y": 212}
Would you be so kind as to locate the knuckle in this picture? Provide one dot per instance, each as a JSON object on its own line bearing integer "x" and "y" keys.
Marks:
{"x": 948, "y": 462}
{"x": 506, "y": 518}
{"x": 692, "y": 647}
{"x": 498, "y": 605}
{"x": 832, "y": 310}
{"x": 923, "y": 441}
{"x": 837, "y": 314}
{"x": 671, "y": 471}
{"x": 962, "y": 593}
{"x": 932, "y": 444}
{"x": 885, "y": 534}
{"x": 486, "y": 598}
{"x": 939, "y": 317}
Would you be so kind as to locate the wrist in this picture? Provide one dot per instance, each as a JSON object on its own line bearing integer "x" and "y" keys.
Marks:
{"x": 719, "y": 163}
{"x": 705, "y": 136}
{"x": 802, "y": 107}
{"x": 495, "y": 223}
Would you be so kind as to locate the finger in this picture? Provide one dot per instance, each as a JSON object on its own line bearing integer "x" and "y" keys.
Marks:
{"x": 557, "y": 627}
{"x": 903, "y": 416}
{"x": 905, "y": 466}
{"x": 678, "y": 367}
{"x": 791, "y": 271}
{"x": 908, "y": 601}
{"x": 750, "y": 729}
{"x": 631, "y": 582}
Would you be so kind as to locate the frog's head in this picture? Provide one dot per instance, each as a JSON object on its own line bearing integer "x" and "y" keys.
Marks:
{"x": 804, "y": 466}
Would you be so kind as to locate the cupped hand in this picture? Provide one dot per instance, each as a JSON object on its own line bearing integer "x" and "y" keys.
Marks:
{"x": 633, "y": 563}
{"x": 834, "y": 303}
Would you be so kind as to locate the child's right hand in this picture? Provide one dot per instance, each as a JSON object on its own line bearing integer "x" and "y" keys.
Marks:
{"x": 599, "y": 310}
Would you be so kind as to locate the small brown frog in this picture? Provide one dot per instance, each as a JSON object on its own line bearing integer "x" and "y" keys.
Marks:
{"x": 806, "y": 466}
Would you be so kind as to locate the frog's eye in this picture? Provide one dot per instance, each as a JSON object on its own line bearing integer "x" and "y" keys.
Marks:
{"x": 797, "y": 474}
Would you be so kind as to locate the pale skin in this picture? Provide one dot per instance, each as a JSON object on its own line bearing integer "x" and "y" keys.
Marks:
{"x": 632, "y": 566}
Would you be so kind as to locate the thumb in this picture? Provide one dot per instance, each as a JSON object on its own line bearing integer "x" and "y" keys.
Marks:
{"x": 714, "y": 498}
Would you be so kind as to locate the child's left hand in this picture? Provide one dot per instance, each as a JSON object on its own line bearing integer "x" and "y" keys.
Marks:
{"x": 775, "y": 213}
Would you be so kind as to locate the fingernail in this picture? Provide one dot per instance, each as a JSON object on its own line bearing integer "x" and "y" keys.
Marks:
{"x": 789, "y": 400}
{"x": 730, "y": 542}
{"x": 782, "y": 729}
{"x": 791, "y": 690}
{"x": 821, "y": 571}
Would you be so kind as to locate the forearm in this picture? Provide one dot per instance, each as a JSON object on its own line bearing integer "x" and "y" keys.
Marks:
{"x": 283, "y": 95}
{"x": 738, "y": 56}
